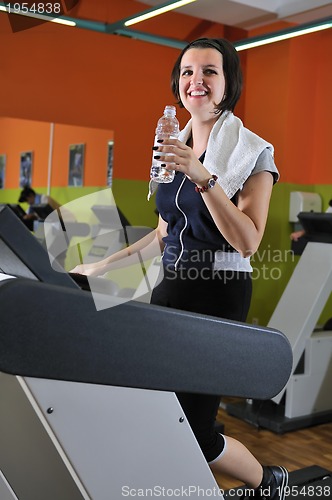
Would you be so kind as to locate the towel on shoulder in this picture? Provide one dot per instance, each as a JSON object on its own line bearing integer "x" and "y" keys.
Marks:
{"x": 231, "y": 154}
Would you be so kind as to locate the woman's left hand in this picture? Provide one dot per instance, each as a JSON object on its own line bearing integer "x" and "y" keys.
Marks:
{"x": 180, "y": 157}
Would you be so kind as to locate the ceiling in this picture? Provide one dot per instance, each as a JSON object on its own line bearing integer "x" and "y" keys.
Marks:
{"x": 249, "y": 14}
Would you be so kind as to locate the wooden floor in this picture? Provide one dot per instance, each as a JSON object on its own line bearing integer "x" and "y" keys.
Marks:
{"x": 294, "y": 450}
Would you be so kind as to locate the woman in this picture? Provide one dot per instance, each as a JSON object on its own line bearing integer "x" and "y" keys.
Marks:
{"x": 212, "y": 219}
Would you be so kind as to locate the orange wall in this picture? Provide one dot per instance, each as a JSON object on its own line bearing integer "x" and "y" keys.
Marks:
{"x": 288, "y": 101}
{"x": 73, "y": 76}
{"x": 18, "y": 136}
{"x": 95, "y": 156}
{"x": 77, "y": 77}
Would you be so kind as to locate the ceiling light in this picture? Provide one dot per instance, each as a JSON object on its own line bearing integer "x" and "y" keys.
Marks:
{"x": 157, "y": 11}
{"x": 118, "y": 28}
{"x": 35, "y": 15}
{"x": 278, "y": 36}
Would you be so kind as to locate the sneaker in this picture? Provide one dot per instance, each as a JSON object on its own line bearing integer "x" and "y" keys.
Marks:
{"x": 274, "y": 483}
{"x": 272, "y": 487}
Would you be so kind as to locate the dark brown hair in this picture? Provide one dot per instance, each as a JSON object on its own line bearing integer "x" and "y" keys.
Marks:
{"x": 25, "y": 193}
{"x": 231, "y": 68}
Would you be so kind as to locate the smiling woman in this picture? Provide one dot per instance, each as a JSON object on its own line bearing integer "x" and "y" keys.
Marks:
{"x": 211, "y": 64}
{"x": 211, "y": 219}
{"x": 202, "y": 80}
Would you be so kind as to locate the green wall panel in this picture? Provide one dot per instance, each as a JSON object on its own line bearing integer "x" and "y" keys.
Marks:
{"x": 273, "y": 263}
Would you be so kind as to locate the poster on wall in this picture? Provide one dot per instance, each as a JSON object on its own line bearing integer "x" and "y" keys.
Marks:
{"x": 2, "y": 171}
{"x": 26, "y": 169}
{"x": 76, "y": 165}
{"x": 110, "y": 146}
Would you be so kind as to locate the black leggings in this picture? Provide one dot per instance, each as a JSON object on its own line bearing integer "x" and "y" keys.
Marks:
{"x": 225, "y": 294}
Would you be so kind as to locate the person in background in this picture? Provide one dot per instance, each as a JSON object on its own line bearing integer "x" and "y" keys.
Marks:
{"x": 329, "y": 208}
{"x": 212, "y": 218}
{"x": 296, "y": 235}
{"x": 28, "y": 195}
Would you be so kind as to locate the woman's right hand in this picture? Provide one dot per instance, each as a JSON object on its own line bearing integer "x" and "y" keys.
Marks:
{"x": 152, "y": 244}
{"x": 88, "y": 270}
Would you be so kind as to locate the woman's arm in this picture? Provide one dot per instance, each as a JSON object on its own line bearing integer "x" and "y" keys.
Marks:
{"x": 152, "y": 244}
{"x": 242, "y": 225}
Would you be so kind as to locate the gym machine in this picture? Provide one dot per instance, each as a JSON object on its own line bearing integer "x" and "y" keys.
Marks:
{"x": 25, "y": 256}
{"x": 88, "y": 409}
{"x": 307, "y": 398}
{"x": 87, "y": 403}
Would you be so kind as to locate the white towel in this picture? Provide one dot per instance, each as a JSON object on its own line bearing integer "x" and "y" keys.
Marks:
{"x": 231, "y": 154}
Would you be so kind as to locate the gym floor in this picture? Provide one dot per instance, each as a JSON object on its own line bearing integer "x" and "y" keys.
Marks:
{"x": 294, "y": 450}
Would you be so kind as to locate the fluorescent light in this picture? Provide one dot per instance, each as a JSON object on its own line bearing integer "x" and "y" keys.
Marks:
{"x": 283, "y": 35}
{"x": 59, "y": 20}
{"x": 42, "y": 17}
{"x": 157, "y": 12}
{"x": 117, "y": 28}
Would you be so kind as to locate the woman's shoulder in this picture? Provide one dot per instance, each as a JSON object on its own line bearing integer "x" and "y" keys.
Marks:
{"x": 265, "y": 163}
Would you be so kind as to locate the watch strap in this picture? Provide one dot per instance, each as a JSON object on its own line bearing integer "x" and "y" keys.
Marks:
{"x": 210, "y": 184}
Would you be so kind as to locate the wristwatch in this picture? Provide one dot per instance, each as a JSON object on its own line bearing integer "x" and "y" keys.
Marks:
{"x": 210, "y": 184}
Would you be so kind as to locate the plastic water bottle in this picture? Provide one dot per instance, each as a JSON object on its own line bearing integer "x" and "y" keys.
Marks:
{"x": 167, "y": 127}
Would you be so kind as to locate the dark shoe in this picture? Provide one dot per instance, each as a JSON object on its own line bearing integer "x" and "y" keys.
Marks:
{"x": 274, "y": 483}
{"x": 272, "y": 487}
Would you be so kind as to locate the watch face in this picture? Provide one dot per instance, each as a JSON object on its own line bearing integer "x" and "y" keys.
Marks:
{"x": 211, "y": 183}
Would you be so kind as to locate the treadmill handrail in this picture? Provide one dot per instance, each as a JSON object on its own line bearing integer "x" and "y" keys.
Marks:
{"x": 58, "y": 334}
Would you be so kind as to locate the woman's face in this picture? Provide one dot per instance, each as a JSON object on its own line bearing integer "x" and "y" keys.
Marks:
{"x": 202, "y": 82}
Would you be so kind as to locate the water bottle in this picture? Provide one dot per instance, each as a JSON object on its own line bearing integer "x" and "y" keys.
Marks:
{"x": 167, "y": 127}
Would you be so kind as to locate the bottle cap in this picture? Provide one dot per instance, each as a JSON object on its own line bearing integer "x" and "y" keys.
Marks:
{"x": 170, "y": 110}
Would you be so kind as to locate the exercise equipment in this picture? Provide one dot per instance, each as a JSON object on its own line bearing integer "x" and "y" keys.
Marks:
{"x": 23, "y": 256}
{"x": 307, "y": 398}
{"x": 87, "y": 403}
{"x": 301, "y": 202}
{"x": 20, "y": 213}
{"x": 88, "y": 409}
